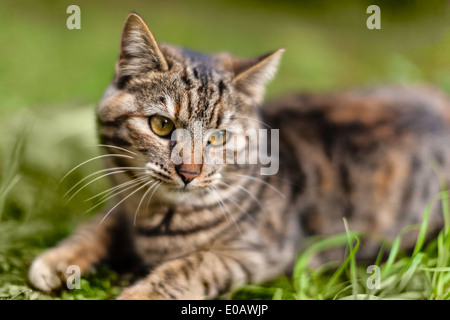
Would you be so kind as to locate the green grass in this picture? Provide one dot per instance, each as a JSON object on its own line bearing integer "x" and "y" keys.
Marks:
{"x": 425, "y": 274}
{"x": 51, "y": 78}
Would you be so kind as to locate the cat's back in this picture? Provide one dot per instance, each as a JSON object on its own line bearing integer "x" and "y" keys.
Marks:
{"x": 387, "y": 112}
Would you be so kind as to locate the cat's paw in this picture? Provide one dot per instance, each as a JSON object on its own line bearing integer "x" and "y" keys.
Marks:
{"x": 47, "y": 272}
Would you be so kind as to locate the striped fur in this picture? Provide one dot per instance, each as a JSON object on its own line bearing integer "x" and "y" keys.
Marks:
{"x": 364, "y": 155}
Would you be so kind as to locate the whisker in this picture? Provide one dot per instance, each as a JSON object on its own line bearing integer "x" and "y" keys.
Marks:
{"x": 140, "y": 188}
{"x": 257, "y": 120}
{"x": 100, "y": 171}
{"x": 226, "y": 207}
{"x": 151, "y": 196}
{"x": 92, "y": 181}
{"x": 92, "y": 159}
{"x": 110, "y": 196}
{"x": 112, "y": 189}
{"x": 232, "y": 199}
{"x": 115, "y": 147}
{"x": 142, "y": 199}
{"x": 246, "y": 191}
{"x": 220, "y": 205}
{"x": 256, "y": 179}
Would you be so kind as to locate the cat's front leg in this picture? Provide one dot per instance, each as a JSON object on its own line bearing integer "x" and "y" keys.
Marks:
{"x": 86, "y": 247}
{"x": 200, "y": 275}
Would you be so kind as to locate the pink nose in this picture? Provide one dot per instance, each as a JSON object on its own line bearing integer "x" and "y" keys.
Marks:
{"x": 188, "y": 172}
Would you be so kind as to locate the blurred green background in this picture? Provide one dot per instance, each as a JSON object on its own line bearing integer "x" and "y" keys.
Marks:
{"x": 43, "y": 64}
{"x": 51, "y": 78}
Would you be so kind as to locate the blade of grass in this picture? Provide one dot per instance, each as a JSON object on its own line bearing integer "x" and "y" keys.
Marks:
{"x": 278, "y": 295}
{"x": 380, "y": 253}
{"x": 353, "y": 270}
{"x": 423, "y": 229}
{"x": 444, "y": 199}
{"x": 343, "y": 267}
{"x": 406, "y": 277}
{"x": 394, "y": 250}
{"x": 299, "y": 275}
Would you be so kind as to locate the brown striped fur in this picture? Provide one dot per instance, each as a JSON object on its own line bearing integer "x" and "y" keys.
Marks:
{"x": 366, "y": 155}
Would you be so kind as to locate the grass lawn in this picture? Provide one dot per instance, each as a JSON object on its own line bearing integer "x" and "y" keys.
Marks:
{"x": 51, "y": 78}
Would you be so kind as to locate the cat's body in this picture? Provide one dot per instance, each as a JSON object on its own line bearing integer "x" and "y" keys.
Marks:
{"x": 375, "y": 156}
{"x": 202, "y": 229}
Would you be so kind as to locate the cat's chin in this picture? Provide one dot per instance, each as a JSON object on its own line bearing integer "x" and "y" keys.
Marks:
{"x": 180, "y": 188}
{"x": 176, "y": 193}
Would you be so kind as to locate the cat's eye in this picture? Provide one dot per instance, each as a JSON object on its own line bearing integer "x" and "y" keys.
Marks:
{"x": 162, "y": 126}
{"x": 219, "y": 138}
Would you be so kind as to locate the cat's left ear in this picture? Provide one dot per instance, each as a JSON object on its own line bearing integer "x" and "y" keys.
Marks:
{"x": 252, "y": 75}
{"x": 139, "y": 52}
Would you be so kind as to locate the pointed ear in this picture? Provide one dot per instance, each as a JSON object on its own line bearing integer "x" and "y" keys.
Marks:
{"x": 252, "y": 75}
{"x": 139, "y": 52}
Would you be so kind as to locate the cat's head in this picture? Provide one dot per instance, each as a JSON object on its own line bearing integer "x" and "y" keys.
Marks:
{"x": 161, "y": 88}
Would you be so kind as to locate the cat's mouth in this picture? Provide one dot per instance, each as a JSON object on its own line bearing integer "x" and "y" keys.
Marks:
{"x": 187, "y": 178}
{"x": 191, "y": 193}
{"x": 174, "y": 184}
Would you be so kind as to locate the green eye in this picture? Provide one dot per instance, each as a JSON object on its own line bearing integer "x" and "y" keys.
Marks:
{"x": 219, "y": 138}
{"x": 162, "y": 126}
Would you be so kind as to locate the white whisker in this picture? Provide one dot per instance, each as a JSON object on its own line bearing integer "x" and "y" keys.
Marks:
{"x": 92, "y": 181}
{"x": 100, "y": 171}
{"x": 226, "y": 207}
{"x": 140, "y": 188}
{"x": 257, "y": 120}
{"x": 220, "y": 205}
{"x": 112, "y": 189}
{"x": 116, "y": 147}
{"x": 256, "y": 179}
{"x": 142, "y": 199}
{"x": 111, "y": 195}
{"x": 151, "y": 196}
{"x": 92, "y": 159}
{"x": 246, "y": 191}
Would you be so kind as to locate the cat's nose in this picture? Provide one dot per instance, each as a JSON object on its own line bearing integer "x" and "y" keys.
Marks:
{"x": 188, "y": 172}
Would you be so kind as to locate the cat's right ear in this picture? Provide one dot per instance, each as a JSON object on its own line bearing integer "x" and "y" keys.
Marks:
{"x": 139, "y": 52}
{"x": 251, "y": 75}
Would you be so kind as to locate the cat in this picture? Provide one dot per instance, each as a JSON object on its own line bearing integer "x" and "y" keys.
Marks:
{"x": 203, "y": 229}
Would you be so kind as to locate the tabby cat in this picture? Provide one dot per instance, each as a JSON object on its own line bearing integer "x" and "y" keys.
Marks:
{"x": 372, "y": 156}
